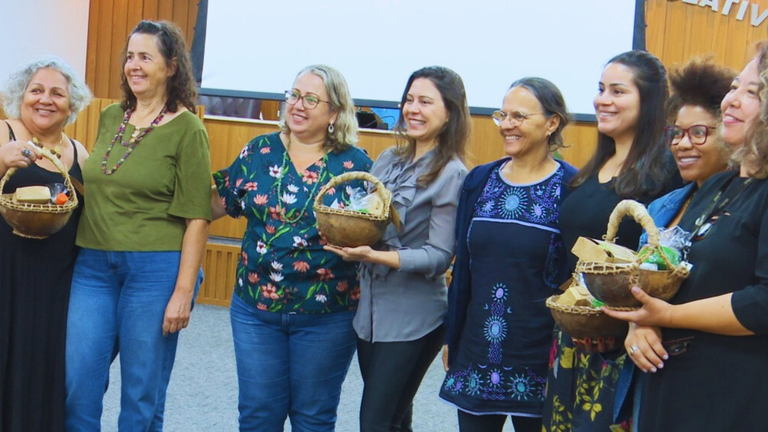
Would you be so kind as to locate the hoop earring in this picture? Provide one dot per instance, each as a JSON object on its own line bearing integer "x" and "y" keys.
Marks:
{"x": 331, "y": 128}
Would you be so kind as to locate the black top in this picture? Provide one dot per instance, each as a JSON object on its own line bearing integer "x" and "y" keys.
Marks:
{"x": 714, "y": 382}
{"x": 587, "y": 209}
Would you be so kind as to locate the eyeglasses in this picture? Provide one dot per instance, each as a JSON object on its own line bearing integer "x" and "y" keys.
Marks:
{"x": 310, "y": 101}
{"x": 697, "y": 134}
{"x": 515, "y": 118}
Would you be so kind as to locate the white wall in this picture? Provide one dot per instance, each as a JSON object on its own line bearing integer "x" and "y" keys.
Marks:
{"x": 376, "y": 44}
{"x": 30, "y": 28}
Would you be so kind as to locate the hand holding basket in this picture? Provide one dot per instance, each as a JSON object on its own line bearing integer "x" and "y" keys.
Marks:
{"x": 37, "y": 221}
{"x": 349, "y": 228}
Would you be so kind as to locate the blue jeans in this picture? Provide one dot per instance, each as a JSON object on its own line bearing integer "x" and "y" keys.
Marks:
{"x": 117, "y": 304}
{"x": 290, "y": 365}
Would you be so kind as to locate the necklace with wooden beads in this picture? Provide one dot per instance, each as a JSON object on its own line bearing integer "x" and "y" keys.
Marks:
{"x": 136, "y": 137}
{"x": 310, "y": 199}
{"x": 56, "y": 150}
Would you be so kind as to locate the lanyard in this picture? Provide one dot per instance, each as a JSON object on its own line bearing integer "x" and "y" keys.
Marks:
{"x": 704, "y": 222}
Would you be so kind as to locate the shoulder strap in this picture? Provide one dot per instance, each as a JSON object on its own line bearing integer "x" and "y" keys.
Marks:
{"x": 10, "y": 131}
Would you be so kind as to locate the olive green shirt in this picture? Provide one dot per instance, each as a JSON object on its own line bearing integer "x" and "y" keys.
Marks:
{"x": 143, "y": 205}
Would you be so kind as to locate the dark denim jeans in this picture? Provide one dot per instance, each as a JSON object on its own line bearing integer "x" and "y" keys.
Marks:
{"x": 290, "y": 365}
{"x": 117, "y": 304}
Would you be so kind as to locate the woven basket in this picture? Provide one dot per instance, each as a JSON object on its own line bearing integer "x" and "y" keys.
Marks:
{"x": 584, "y": 321}
{"x": 611, "y": 283}
{"x": 347, "y": 228}
{"x": 37, "y": 221}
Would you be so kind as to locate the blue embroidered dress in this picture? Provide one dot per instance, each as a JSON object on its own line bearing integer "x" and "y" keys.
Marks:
{"x": 283, "y": 267}
{"x": 516, "y": 261}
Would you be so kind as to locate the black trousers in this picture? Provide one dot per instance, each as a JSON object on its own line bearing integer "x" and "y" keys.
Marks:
{"x": 495, "y": 423}
{"x": 392, "y": 373}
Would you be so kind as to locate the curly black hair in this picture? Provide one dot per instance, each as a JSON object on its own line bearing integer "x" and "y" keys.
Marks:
{"x": 699, "y": 83}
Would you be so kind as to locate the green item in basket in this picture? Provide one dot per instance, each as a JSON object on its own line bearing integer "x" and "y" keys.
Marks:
{"x": 673, "y": 256}
{"x": 597, "y": 303}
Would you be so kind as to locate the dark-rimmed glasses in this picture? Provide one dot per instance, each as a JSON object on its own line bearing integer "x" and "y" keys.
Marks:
{"x": 309, "y": 101}
{"x": 697, "y": 134}
{"x": 516, "y": 118}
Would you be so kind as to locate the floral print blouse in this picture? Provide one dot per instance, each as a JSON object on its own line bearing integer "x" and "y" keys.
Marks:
{"x": 283, "y": 267}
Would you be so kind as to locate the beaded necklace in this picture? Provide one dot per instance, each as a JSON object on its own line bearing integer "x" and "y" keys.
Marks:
{"x": 136, "y": 137}
{"x": 310, "y": 199}
{"x": 56, "y": 150}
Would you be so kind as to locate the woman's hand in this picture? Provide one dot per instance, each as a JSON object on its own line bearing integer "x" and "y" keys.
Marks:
{"x": 18, "y": 154}
{"x": 654, "y": 313}
{"x": 644, "y": 347}
{"x": 177, "y": 312}
{"x": 360, "y": 253}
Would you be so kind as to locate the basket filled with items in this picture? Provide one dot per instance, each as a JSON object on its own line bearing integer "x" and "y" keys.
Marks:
{"x": 363, "y": 220}
{"x": 610, "y": 271}
{"x": 39, "y": 211}
{"x": 578, "y": 314}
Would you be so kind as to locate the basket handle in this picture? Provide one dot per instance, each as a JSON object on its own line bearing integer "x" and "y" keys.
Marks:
{"x": 356, "y": 175}
{"x": 641, "y": 216}
{"x": 54, "y": 160}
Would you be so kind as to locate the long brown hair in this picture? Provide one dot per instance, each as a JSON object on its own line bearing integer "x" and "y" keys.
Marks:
{"x": 753, "y": 155}
{"x": 180, "y": 88}
{"x": 453, "y": 138}
{"x": 649, "y": 163}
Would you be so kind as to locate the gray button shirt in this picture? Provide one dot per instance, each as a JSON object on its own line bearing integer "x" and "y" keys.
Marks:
{"x": 406, "y": 304}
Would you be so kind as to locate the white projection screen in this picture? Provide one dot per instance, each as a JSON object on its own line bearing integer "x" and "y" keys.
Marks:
{"x": 255, "y": 48}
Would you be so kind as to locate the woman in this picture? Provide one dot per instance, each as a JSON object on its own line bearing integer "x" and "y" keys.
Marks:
{"x": 41, "y": 98}
{"x": 694, "y": 111}
{"x": 499, "y": 330}
{"x": 631, "y": 161}
{"x": 293, "y": 304}
{"x": 715, "y": 327}
{"x": 403, "y": 299}
{"x": 142, "y": 235}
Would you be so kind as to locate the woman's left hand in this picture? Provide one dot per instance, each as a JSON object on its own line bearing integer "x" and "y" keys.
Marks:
{"x": 177, "y": 312}
{"x": 654, "y": 313}
{"x": 360, "y": 253}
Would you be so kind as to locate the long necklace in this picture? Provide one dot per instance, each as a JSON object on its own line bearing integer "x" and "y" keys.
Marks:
{"x": 56, "y": 150}
{"x": 310, "y": 199}
{"x": 135, "y": 139}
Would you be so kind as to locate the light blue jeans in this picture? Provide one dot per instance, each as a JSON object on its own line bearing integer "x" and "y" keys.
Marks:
{"x": 290, "y": 365}
{"x": 117, "y": 304}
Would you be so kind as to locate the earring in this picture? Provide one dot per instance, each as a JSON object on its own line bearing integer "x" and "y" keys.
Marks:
{"x": 330, "y": 128}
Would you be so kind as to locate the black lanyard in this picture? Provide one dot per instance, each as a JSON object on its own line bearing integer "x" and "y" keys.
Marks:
{"x": 721, "y": 199}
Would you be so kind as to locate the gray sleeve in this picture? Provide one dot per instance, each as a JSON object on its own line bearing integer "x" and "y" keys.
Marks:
{"x": 435, "y": 256}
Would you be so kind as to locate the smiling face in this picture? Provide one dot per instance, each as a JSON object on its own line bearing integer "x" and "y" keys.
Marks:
{"x": 46, "y": 103}
{"x": 530, "y": 136}
{"x": 699, "y": 162}
{"x": 741, "y": 105}
{"x": 145, "y": 68}
{"x": 309, "y": 125}
{"x": 424, "y": 111}
{"x": 617, "y": 104}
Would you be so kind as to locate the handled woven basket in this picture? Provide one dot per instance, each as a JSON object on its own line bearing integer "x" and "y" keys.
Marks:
{"x": 37, "y": 221}
{"x": 611, "y": 282}
{"x": 585, "y": 321}
{"x": 348, "y": 228}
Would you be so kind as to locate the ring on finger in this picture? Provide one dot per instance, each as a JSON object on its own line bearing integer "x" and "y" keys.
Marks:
{"x": 633, "y": 348}
{"x": 26, "y": 153}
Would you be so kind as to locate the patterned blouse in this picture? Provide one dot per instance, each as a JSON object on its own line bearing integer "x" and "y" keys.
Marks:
{"x": 283, "y": 267}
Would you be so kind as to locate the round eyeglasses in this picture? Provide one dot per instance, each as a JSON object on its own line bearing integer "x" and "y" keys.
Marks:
{"x": 309, "y": 101}
{"x": 515, "y": 118}
{"x": 697, "y": 134}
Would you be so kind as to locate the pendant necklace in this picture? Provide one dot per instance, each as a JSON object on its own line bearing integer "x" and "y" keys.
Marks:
{"x": 311, "y": 198}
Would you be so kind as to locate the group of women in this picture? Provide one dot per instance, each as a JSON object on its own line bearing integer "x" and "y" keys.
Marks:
{"x": 302, "y": 307}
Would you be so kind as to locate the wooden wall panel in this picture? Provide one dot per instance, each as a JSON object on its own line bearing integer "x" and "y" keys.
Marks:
{"x": 110, "y": 22}
{"x": 219, "y": 267}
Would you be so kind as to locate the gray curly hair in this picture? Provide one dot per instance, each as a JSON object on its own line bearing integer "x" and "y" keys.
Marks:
{"x": 79, "y": 94}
